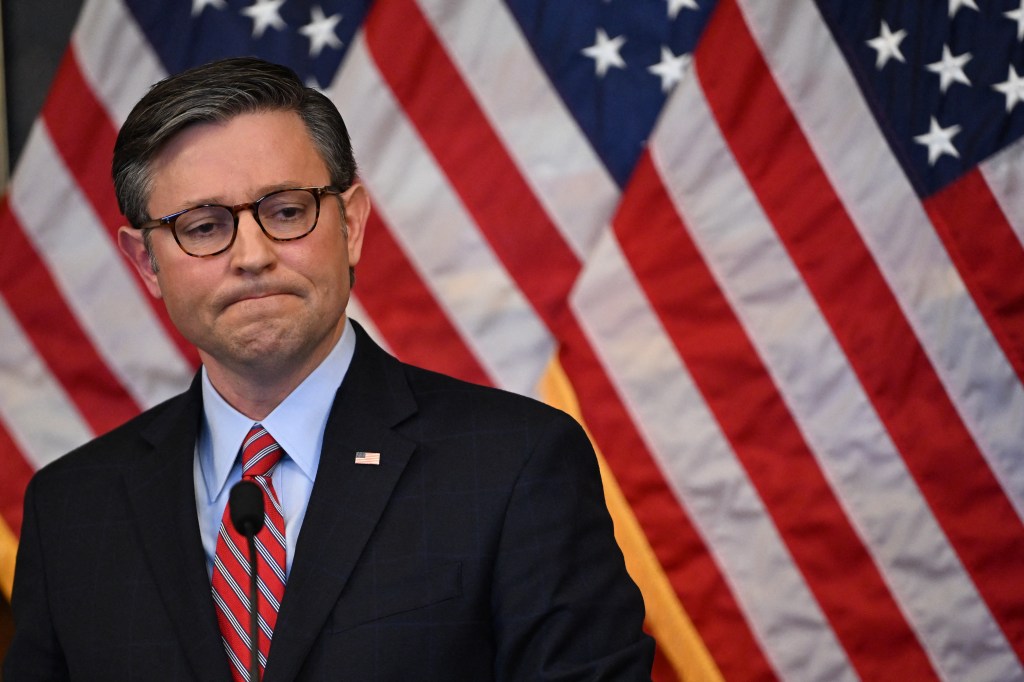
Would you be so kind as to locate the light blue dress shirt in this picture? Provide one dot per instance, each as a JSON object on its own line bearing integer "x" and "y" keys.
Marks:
{"x": 297, "y": 424}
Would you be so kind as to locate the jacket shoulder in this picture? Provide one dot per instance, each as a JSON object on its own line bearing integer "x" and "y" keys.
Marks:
{"x": 119, "y": 446}
{"x": 443, "y": 392}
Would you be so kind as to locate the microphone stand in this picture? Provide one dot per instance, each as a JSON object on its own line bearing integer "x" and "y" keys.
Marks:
{"x": 254, "y": 616}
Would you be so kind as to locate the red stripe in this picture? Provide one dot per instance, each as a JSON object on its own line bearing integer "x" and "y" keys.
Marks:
{"x": 679, "y": 548}
{"x": 739, "y": 391}
{"x": 84, "y": 137}
{"x": 393, "y": 293}
{"x": 867, "y": 320}
{"x": 37, "y": 303}
{"x": 459, "y": 135}
{"x": 16, "y": 474}
{"x": 988, "y": 255}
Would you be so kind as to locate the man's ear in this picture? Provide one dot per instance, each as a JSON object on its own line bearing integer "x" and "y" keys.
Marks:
{"x": 133, "y": 246}
{"x": 357, "y": 212}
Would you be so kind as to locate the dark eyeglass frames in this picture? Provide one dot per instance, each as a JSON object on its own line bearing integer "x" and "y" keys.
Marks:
{"x": 210, "y": 229}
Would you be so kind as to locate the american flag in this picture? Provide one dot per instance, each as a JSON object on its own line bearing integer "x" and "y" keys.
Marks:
{"x": 769, "y": 252}
{"x": 367, "y": 458}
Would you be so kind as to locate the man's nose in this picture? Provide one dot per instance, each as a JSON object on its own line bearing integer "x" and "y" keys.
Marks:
{"x": 252, "y": 250}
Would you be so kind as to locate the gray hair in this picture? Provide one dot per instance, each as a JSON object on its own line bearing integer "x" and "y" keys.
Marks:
{"x": 217, "y": 92}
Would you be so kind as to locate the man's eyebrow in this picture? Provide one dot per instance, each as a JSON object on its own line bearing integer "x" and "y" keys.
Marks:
{"x": 261, "y": 192}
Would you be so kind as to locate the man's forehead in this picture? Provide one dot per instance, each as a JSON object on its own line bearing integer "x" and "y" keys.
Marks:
{"x": 236, "y": 159}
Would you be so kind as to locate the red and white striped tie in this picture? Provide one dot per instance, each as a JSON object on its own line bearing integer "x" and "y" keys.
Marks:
{"x": 260, "y": 454}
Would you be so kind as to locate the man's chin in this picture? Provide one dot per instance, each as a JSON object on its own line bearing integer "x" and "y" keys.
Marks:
{"x": 265, "y": 346}
{"x": 256, "y": 343}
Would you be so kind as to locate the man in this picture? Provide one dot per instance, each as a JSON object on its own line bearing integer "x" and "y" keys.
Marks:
{"x": 416, "y": 527}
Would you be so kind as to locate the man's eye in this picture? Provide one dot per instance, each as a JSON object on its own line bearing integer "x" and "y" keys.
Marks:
{"x": 203, "y": 224}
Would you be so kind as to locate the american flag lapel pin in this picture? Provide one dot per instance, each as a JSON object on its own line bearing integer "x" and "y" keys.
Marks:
{"x": 368, "y": 458}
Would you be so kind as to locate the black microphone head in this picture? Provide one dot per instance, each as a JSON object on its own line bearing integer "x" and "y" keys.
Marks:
{"x": 245, "y": 503}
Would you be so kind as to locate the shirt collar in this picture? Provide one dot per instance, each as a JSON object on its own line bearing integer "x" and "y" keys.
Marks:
{"x": 297, "y": 424}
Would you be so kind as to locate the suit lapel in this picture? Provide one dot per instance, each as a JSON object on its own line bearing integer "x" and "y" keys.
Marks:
{"x": 347, "y": 499}
{"x": 162, "y": 493}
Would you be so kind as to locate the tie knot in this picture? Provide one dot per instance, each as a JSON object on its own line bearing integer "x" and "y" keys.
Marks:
{"x": 260, "y": 452}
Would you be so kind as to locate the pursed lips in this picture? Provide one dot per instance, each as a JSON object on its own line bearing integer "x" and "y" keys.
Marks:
{"x": 254, "y": 296}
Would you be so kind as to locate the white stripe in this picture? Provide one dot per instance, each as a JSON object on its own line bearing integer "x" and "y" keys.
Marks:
{"x": 233, "y": 547}
{"x": 256, "y": 458}
{"x": 116, "y": 59}
{"x": 1005, "y": 178}
{"x": 859, "y": 460}
{"x": 93, "y": 276}
{"x": 437, "y": 235}
{"x": 273, "y": 529}
{"x": 229, "y": 580}
{"x": 235, "y": 662}
{"x": 701, "y": 468}
{"x": 267, "y": 484}
{"x": 540, "y": 134}
{"x": 269, "y": 559}
{"x": 893, "y": 224}
{"x": 261, "y": 623}
{"x": 255, "y": 433}
{"x": 36, "y": 411}
{"x": 271, "y": 598}
{"x": 230, "y": 616}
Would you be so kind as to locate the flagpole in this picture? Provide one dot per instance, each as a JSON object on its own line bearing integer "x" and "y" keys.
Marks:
{"x": 4, "y": 159}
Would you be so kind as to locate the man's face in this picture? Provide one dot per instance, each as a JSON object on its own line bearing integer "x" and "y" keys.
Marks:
{"x": 261, "y": 308}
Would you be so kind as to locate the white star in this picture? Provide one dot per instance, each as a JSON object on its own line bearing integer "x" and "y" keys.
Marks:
{"x": 605, "y": 52}
{"x": 1013, "y": 88}
{"x": 939, "y": 141}
{"x": 950, "y": 68}
{"x": 675, "y": 5}
{"x": 670, "y": 69}
{"x": 265, "y": 14}
{"x": 1018, "y": 16}
{"x": 887, "y": 45}
{"x": 320, "y": 31}
{"x": 955, "y": 5}
{"x": 199, "y": 5}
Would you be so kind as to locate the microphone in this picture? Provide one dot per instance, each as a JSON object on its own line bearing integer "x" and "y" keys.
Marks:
{"x": 245, "y": 505}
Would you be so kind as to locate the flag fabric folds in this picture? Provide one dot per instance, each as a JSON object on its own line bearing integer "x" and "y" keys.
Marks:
{"x": 771, "y": 253}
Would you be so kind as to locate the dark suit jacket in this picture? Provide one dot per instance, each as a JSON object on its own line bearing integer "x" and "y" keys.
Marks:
{"x": 480, "y": 548}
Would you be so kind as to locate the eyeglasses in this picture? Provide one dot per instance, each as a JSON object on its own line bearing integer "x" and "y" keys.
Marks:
{"x": 210, "y": 229}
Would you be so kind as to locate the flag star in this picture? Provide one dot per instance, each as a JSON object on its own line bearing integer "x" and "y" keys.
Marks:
{"x": 265, "y": 14}
{"x": 939, "y": 141}
{"x": 887, "y": 45}
{"x": 1018, "y": 16}
{"x": 199, "y": 5}
{"x": 320, "y": 31}
{"x": 675, "y": 5}
{"x": 950, "y": 68}
{"x": 670, "y": 69}
{"x": 955, "y": 5}
{"x": 605, "y": 52}
{"x": 1013, "y": 88}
